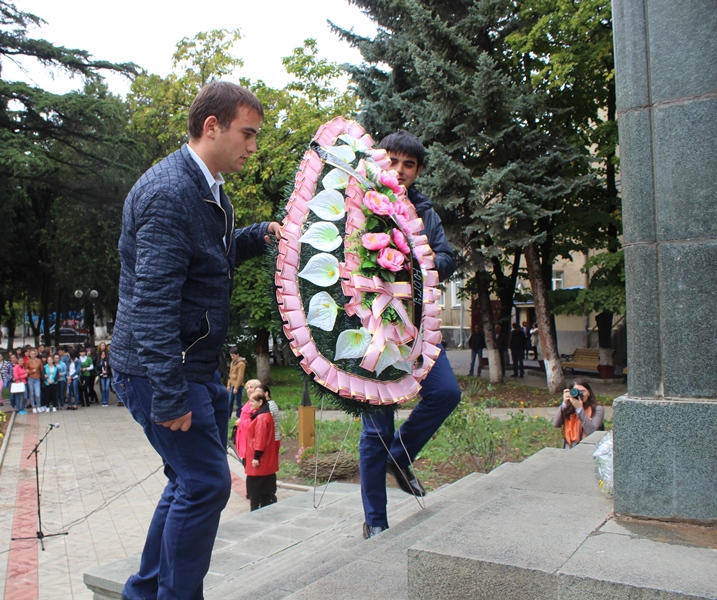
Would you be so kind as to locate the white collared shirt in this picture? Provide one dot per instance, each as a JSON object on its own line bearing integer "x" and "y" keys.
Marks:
{"x": 214, "y": 182}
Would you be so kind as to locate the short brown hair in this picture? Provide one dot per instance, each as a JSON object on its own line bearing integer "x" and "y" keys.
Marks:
{"x": 222, "y": 100}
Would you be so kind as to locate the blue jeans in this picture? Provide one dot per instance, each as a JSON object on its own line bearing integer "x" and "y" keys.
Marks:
{"x": 62, "y": 392}
{"x": 235, "y": 400}
{"x": 73, "y": 392}
{"x": 181, "y": 535}
{"x": 474, "y": 354}
{"x": 33, "y": 392}
{"x": 105, "y": 389}
{"x": 440, "y": 394}
{"x": 17, "y": 401}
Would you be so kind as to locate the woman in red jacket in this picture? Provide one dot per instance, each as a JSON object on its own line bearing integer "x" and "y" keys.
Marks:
{"x": 262, "y": 459}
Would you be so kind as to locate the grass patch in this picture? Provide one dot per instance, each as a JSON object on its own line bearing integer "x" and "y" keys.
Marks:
{"x": 287, "y": 386}
{"x": 470, "y": 439}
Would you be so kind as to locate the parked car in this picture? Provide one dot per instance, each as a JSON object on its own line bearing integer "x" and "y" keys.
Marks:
{"x": 68, "y": 335}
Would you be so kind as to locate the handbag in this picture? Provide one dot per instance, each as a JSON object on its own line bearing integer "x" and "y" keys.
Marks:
{"x": 17, "y": 388}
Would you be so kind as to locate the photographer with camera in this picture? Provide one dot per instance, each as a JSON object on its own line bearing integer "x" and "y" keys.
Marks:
{"x": 579, "y": 415}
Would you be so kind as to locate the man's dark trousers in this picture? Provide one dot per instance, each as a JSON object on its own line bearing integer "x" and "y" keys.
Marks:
{"x": 180, "y": 539}
{"x": 517, "y": 357}
{"x": 440, "y": 394}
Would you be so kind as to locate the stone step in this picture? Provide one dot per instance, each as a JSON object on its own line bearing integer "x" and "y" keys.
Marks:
{"x": 539, "y": 529}
{"x": 336, "y": 541}
{"x": 299, "y": 541}
{"x": 548, "y": 533}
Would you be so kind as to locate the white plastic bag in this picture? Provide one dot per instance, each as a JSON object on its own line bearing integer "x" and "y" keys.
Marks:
{"x": 603, "y": 464}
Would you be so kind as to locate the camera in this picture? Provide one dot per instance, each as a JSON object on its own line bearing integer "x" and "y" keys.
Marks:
{"x": 576, "y": 393}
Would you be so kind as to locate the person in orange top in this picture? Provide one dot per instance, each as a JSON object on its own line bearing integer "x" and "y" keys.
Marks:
{"x": 262, "y": 460}
{"x": 579, "y": 415}
{"x": 34, "y": 375}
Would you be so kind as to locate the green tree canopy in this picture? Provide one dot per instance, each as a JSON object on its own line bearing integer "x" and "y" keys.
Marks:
{"x": 66, "y": 150}
{"x": 505, "y": 170}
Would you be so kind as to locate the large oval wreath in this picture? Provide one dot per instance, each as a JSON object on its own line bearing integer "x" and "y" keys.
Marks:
{"x": 355, "y": 282}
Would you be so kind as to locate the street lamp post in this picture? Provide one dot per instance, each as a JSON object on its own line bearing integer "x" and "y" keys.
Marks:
{"x": 89, "y": 297}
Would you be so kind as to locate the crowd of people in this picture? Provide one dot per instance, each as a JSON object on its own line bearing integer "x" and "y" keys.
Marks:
{"x": 45, "y": 379}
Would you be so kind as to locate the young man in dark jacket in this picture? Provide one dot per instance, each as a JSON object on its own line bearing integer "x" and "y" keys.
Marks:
{"x": 476, "y": 343}
{"x": 381, "y": 449}
{"x": 178, "y": 250}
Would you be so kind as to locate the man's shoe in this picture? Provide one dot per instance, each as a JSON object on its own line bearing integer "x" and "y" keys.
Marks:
{"x": 369, "y": 532}
{"x": 406, "y": 479}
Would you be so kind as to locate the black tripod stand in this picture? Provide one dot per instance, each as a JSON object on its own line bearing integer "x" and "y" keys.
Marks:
{"x": 40, "y": 535}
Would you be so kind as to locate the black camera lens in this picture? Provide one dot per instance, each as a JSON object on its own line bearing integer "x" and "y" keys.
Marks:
{"x": 576, "y": 393}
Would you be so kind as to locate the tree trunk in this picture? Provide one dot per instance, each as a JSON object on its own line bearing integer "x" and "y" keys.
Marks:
{"x": 505, "y": 288}
{"x": 548, "y": 342}
{"x": 10, "y": 323}
{"x": 263, "y": 362}
{"x": 486, "y": 310}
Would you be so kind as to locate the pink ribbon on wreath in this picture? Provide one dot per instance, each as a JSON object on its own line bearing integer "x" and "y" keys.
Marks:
{"x": 425, "y": 338}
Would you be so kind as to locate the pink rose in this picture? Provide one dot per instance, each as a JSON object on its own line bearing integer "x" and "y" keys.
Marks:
{"x": 391, "y": 260}
{"x": 390, "y": 180}
{"x": 400, "y": 241}
{"x": 378, "y": 203}
{"x": 375, "y": 241}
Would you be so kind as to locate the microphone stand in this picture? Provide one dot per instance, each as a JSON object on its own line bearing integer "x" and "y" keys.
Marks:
{"x": 39, "y": 535}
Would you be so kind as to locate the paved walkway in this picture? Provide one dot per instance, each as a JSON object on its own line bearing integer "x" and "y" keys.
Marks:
{"x": 100, "y": 481}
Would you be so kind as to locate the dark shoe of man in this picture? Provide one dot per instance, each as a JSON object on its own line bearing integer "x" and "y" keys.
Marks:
{"x": 406, "y": 479}
{"x": 369, "y": 532}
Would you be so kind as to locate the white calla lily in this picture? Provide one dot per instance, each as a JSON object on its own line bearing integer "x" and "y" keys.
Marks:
{"x": 328, "y": 205}
{"x": 322, "y": 311}
{"x": 352, "y": 343}
{"x": 335, "y": 179}
{"x": 403, "y": 364}
{"x": 353, "y": 143}
{"x": 345, "y": 153}
{"x": 390, "y": 356}
{"x": 322, "y": 270}
{"x": 322, "y": 236}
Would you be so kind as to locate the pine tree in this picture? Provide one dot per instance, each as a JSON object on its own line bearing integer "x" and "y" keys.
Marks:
{"x": 506, "y": 174}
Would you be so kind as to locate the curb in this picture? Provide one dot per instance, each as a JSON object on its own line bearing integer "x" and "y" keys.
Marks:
{"x": 7, "y": 438}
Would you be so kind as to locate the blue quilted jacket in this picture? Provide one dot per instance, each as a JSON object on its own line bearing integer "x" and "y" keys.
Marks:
{"x": 178, "y": 249}
{"x": 433, "y": 229}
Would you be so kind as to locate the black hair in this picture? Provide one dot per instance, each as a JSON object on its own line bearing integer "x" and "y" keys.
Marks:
{"x": 403, "y": 142}
{"x": 589, "y": 401}
{"x": 263, "y": 386}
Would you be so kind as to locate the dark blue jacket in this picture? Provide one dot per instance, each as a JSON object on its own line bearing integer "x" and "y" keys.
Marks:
{"x": 176, "y": 280}
{"x": 437, "y": 240}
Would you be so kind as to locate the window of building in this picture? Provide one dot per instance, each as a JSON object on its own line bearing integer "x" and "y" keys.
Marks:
{"x": 558, "y": 280}
{"x": 455, "y": 294}
{"x": 442, "y": 299}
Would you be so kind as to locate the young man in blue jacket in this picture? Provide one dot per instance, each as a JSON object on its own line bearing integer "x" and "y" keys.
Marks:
{"x": 178, "y": 251}
{"x": 381, "y": 448}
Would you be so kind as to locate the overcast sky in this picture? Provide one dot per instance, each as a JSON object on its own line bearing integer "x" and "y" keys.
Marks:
{"x": 146, "y": 32}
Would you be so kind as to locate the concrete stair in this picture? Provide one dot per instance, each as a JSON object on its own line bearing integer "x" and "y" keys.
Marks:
{"x": 533, "y": 530}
